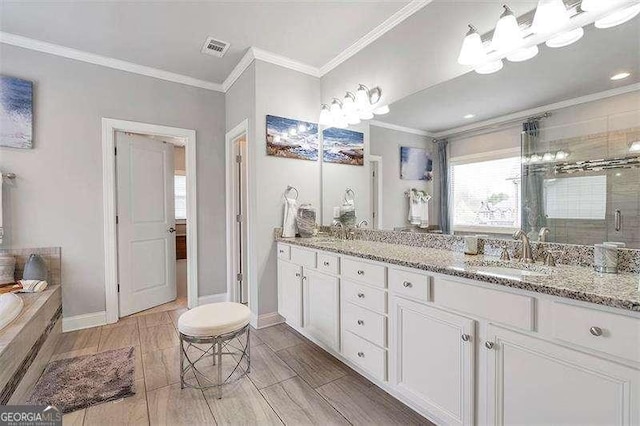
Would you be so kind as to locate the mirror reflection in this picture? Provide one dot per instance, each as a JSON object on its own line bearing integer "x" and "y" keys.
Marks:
{"x": 550, "y": 146}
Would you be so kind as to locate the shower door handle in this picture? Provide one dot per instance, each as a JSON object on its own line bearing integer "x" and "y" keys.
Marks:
{"x": 618, "y": 220}
{"x": 171, "y": 230}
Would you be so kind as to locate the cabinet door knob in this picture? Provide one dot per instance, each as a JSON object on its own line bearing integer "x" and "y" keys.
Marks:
{"x": 281, "y": 251}
{"x": 596, "y": 331}
{"x": 407, "y": 284}
{"x": 360, "y": 272}
{"x": 488, "y": 345}
{"x": 326, "y": 263}
{"x": 298, "y": 274}
{"x": 304, "y": 278}
{"x": 360, "y": 322}
{"x": 361, "y": 354}
{"x": 361, "y": 295}
{"x": 465, "y": 337}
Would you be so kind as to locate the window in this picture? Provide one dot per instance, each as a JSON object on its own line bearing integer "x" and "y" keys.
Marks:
{"x": 180, "y": 190}
{"x": 486, "y": 195}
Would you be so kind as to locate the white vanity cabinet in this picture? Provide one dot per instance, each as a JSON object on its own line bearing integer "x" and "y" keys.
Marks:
{"x": 321, "y": 307}
{"x": 466, "y": 352}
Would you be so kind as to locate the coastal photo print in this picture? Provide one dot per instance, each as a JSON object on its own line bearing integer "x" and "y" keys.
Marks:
{"x": 290, "y": 138}
{"x": 16, "y": 112}
{"x": 343, "y": 146}
{"x": 415, "y": 164}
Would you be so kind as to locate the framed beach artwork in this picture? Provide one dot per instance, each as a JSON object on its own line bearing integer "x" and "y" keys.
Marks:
{"x": 16, "y": 112}
{"x": 289, "y": 138}
{"x": 415, "y": 164}
{"x": 343, "y": 146}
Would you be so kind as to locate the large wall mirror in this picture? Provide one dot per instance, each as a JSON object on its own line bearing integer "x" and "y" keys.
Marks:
{"x": 550, "y": 143}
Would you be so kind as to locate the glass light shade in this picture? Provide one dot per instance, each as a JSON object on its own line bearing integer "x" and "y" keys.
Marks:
{"x": 507, "y": 35}
{"x": 635, "y": 147}
{"x": 325, "y": 116}
{"x": 593, "y": 5}
{"x": 353, "y": 118}
{"x": 348, "y": 103}
{"x": 336, "y": 109}
{"x": 548, "y": 156}
{"x": 535, "y": 158}
{"x": 362, "y": 97}
{"x": 381, "y": 110}
{"x": 366, "y": 115}
{"x": 489, "y": 67}
{"x": 550, "y": 15}
{"x": 374, "y": 95}
{"x": 523, "y": 54}
{"x": 562, "y": 155}
{"x": 565, "y": 38}
{"x": 341, "y": 124}
{"x": 472, "y": 51}
{"x": 618, "y": 17}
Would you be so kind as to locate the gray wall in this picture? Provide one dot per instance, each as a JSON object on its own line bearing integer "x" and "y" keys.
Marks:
{"x": 57, "y": 198}
{"x": 285, "y": 93}
{"x": 386, "y": 143}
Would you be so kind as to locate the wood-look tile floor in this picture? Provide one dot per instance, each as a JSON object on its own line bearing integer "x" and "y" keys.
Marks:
{"x": 292, "y": 382}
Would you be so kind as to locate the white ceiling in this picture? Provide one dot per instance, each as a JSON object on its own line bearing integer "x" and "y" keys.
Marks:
{"x": 583, "y": 68}
{"x": 168, "y": 35}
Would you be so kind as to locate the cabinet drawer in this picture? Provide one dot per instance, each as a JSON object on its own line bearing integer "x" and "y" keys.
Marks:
{"x": 328, "y": 263}
{"x": 366, "y": 355}
{"x": 366, "y": 272}
{"x": 303, "y": 257}
{"x": 363, "y": 295}
{"x": 614, "y": 334}
{"x": 365, "y": 323}
{"x": 410, "y": 284}
{"x": 284, "y": 251}
{"x": 499, "y": 306}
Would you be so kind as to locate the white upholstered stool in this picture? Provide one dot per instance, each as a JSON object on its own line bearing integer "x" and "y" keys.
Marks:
{"x": 215, "y": 324}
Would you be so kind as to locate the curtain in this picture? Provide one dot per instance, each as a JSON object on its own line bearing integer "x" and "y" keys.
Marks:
{"x": 533, "y": 214}
{"x": 443, "y": 165}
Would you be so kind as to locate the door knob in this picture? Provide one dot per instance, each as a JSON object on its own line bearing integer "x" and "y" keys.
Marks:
{"x": 488, "y": 345}
{"x": 465, "y": 337}
{"x": 360, "y": 322}
{"x": 361, "y": 354}
{"x": 361, "y": 295}
{"x": 172, "y": 230}
{"x": 407, "y": 284}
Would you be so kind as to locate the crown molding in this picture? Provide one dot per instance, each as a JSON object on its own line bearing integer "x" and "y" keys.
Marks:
{"x": 285, "y": 62}
{"x": 376, "y": 33}
{"x": 105, "y": 61}
{"x": 390, "y": 126}
{"x": 522, "y": 115}
{"x": 237, "y": 71}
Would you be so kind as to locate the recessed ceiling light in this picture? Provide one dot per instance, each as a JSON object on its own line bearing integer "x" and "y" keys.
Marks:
{"x": 620, "y": 76}
{"x": 469, "y": 116}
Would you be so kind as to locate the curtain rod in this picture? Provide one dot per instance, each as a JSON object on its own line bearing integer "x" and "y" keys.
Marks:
{"x": 492, "y": 127}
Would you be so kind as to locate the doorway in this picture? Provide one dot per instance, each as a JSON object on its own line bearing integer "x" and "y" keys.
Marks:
{"x": 139, "y": 183}
{"x": 237, "y": 198}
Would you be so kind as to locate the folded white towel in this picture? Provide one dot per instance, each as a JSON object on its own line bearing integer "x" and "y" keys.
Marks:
{"x": 289, "y": 220}
{"x": 33, "y": 286}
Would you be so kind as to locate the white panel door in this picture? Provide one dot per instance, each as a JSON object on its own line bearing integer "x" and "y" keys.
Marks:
{"x": 535, "y": 382}
{"x": 290, "y": 292}
{"x": 321, "y": 307}
{"x": 432, "y": 360}
{"x": 146, "y": 223}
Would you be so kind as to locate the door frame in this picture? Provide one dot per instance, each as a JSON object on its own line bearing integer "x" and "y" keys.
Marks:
{"x": 109, "y": 127}
{"x": 241, "y": 129}
{"x": 377, "y": 222}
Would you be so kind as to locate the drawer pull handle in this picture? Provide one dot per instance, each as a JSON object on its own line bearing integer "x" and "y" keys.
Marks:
{"x": 596, "y": 331}
{"x": 361, "y": 295}
{"x": 298, "y": 274}
{"x": 361, "y": 354}
{"x": 488, "y": 345}
{"x": 465, "y": 337}
{"x": 360, "y": 322}
{"x": 326, "y": 263}
{"x": 407, "y": 284}
{"x": 360, "y": 272}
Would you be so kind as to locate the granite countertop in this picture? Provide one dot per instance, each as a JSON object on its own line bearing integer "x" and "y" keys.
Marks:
{"x": 620, "y": 290}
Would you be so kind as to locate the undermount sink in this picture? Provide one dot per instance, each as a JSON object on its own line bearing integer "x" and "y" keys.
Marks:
{"x": 10, "y": 307}
{"x": 500, "y": 268}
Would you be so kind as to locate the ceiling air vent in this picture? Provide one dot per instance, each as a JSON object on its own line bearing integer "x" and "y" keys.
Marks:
{"x": 215, "y": 47}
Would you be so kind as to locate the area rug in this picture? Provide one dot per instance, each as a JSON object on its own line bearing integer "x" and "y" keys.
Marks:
{"x": 76, "y": 383}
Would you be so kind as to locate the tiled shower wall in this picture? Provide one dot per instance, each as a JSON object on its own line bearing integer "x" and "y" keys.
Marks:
{"x": 51, "y": 255}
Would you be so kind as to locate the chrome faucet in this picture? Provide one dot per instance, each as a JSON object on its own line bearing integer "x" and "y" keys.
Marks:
{"x": 340, "y": 229}
{"x": 362, "y": 223}
{"x": 526, "y": 246}
{"x": 541, "y": 253}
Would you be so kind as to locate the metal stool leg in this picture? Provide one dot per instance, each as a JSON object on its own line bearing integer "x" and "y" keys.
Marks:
{"x": 248, "y": 350}
{"x": 220, "y": 381}
{"x": 181, "y": 363}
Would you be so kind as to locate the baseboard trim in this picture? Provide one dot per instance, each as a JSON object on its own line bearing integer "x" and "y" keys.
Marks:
{"x": 213, "y": 298}
{"x": 79, "y": 322}
{"x": 266, "y": 320}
